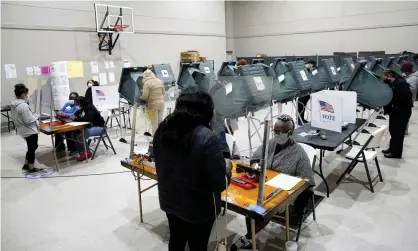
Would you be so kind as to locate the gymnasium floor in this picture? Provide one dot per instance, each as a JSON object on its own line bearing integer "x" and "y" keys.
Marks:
{"x": 93, "y": 208}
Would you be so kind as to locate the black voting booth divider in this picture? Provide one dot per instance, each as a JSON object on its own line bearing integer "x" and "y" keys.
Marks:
{"x": 130, "y": 84}
{"x": 228, "y": 69}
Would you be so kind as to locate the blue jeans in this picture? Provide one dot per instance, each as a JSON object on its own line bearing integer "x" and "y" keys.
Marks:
{"x": 88, "y": 132}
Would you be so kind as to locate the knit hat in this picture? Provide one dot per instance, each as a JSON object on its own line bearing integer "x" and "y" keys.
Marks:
{"x": 406, "y": 67}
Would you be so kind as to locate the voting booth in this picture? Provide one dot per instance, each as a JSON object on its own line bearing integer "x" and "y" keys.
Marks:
{"x": 332, "y": 109}
{"x": 228, "y": 69}
{"x": 105, "y": 97}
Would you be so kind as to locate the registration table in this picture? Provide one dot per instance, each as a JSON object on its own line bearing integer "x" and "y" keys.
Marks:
{"x": 62, "y": 128}
{"x": 238, "y": 199}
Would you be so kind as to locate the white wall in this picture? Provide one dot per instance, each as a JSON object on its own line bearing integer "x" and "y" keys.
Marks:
{"x": 38, "y": 33}
{"x": 304, "y": 28}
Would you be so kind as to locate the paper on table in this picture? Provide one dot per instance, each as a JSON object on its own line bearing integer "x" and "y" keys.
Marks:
{"x": 94, "y": 66}
{"x": 47, "y": 120}
{"x": 103, "y": 79}
{"x": 77, "y": 123}
{"x": 10, "y": 70}
{"x": 37, "y": 71}
{"x": 284, "y": 181}
{"x": 29, "y": 71}
{"x": 111, "y": 77}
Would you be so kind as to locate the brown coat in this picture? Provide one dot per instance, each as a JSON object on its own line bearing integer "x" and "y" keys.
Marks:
{"x": 153, "y": 91}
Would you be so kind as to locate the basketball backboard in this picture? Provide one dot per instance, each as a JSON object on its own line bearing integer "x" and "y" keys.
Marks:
{"x": 114, "y": 19}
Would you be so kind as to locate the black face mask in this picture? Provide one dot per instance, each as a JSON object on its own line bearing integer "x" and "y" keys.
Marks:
{"x": 386, "y": 81}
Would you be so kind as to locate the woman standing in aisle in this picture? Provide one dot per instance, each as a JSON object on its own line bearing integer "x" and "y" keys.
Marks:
{"x": 27, "y": 125}
{"x": 191, "y": 170}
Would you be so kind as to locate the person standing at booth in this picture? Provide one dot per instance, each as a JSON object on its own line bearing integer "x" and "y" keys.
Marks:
{"x": 302, "y": 101}
{"x": 153, "y": 95}
{"x": 191, "y": 169}
{"x": 27, "y": 125}
{"x": 399, "y": 110}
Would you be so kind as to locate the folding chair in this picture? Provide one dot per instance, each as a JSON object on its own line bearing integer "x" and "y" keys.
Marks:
{"x": 365, "y": 154}
{"x": 105, "y": 114}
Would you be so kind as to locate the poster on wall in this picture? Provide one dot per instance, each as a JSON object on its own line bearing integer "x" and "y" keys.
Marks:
{"x": 37, "y": 71}
{"x": 94, "y": 67}
{"x": 126, "y": 63}
{"x": 102, "y": 79}
{"x": 29, "y": 71}
{"x": 10, "y": 70}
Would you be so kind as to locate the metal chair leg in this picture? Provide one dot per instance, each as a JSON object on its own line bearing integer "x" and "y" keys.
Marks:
{"x": 110, "y": 142}
{"x": 97, "y": 146}
{"x": 368, "y": 174}
{"x": 313, "y": 207}
{"x": 378, "y": 169}
{"x": 300, "y": 226}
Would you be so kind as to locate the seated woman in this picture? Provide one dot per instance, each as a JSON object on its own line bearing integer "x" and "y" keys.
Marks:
{"x": 95, "y": 128}
{"x": 284, "y": 156}
{"x": 68, "y": 110}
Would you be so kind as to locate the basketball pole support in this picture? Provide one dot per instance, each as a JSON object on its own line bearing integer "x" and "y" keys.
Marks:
{"x": 109, "y": 44}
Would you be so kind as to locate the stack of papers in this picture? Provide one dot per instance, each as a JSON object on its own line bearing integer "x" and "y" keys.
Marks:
{"x": 77, "y": 123}
{"x": 284, "y": 182}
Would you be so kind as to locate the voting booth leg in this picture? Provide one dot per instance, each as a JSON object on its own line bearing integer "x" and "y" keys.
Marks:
{"x": 54, "y": 153}
{"x": 253, "y": 239}
{"x": 287, "y": 223}
{"x": 140, "y": 200}
{"x": 321, "y": 174}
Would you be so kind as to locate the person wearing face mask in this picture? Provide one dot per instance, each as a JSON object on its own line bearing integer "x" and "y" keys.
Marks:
{"x": 302, "y": 101}
{"x": 67, "y": 111}
{"x": 399, "y": 110}
{"x": 284, "y": 156}
{"x": 153, "y": 95}
{"x": 412, "y": 79}
{"x": 95, "y": 127}
{"x": 27, "y": 125}
{"x": 88, "y": 96}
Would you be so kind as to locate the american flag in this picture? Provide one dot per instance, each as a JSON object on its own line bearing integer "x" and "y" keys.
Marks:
{"x": 325, "y": 106}
{"x": 100, "y": 93}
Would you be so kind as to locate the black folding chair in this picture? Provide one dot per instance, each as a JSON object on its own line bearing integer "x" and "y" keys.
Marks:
{"x": 106, "y": 115}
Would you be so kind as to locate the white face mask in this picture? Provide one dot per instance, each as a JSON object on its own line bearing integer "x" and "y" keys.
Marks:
{"x": 89, "y": 85}
{"x": 404, "y": 74}
{"x": 71, "y": 102}
{"x": 280, "y": 138}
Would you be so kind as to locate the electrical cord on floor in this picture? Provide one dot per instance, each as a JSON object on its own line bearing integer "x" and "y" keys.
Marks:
{"x": 67, "y": 176}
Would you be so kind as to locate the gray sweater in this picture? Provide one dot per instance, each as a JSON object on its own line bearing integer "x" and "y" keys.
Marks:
{"x": 413, "y": 84}
{"x": 25, "y": 121}
{"x": 291, "y": 160}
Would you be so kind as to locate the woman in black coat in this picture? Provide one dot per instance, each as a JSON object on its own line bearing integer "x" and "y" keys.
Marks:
{"x": 191, "y": 170}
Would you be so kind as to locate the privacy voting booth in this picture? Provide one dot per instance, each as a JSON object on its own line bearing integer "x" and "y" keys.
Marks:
{"x": 105, "y": 97}
{"x": 332, "y": 109}
{"x": 228, "y": 69}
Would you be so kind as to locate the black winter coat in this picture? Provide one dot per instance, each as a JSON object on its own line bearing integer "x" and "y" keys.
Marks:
{"x": 190, "y": 182}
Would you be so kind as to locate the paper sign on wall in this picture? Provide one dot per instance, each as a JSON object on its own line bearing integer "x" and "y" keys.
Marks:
{"x": 75, "y": 69}
{"x": 102, "y": 79}
{"x": 10, "y": 70}
{"x": 46, "y": 70}
{"x": 165, "y": 73}
{"x": 111, "y": 64}
{"x": 37, "y": 71}
{"x": 32, "y": 84}
{"x": 228, "y": 88}
{"x": 94, "y": 67}
{"x": 207, "y": 70}
{"x": 303, "y": 75}
{"x": 111, "y": 77}
{"x": 106, "y": 64}
{"x": 29, "y": 71}
{"x": 126, "y": 63}
{"x": 281, "y": 78}
{"x": 259, "y": 83}
{"x": 333, "y": 70}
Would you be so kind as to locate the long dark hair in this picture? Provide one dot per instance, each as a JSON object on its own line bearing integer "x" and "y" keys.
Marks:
{"x": 194, "y": 107}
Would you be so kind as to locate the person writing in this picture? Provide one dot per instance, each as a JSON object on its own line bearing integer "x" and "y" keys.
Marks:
{"x": 284, "y": 156}
{"x": 67, "y": 111}
{"x": 153, "y": 95}
{"x": 95, "y": 127}
{"x": 88, "y": 95}
{"x": 399, "y": 110}
{"x": 27, "y": 125}
{"x": 191, "y": 170}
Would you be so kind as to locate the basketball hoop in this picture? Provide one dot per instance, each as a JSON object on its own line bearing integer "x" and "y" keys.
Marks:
{"x": 118, "y": 28}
